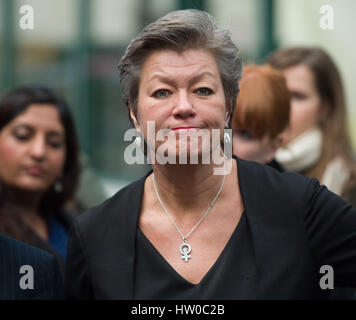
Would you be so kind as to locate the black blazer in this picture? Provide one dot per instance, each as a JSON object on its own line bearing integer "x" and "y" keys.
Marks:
{"x": 47, "y": 281}
{"x": 296, "y": 226}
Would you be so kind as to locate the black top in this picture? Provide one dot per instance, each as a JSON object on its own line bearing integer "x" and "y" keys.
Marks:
{"x": 293, "y": 226}
{"x": 276, "y": 165}
{"x": 155, "y": 278}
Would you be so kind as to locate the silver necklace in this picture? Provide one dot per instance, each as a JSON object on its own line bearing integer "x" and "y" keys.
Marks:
{"x": 185, "y": 248}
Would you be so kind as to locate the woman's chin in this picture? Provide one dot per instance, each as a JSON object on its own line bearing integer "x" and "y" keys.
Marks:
{"x": 32, "y": 187}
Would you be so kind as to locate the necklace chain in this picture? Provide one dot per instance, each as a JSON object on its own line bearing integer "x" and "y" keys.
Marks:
{"x": 198, "y": 223}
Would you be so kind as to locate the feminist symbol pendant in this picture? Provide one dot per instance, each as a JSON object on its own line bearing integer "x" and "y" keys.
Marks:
{"x": 185, "y": 249}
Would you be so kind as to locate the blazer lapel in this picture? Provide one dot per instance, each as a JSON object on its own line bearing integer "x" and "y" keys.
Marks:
{"x": 120, "y": 233}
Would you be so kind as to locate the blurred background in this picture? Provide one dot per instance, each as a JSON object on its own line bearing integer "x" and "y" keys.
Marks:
{"x": 75, "y": 47}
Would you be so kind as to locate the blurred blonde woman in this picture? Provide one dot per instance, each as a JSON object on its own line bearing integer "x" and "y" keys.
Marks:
{"x": 317, "y": 143}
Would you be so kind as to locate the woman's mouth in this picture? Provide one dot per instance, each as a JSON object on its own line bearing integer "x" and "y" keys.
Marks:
{"x": 35, "y": 171}
{"x": 185, "y": 128}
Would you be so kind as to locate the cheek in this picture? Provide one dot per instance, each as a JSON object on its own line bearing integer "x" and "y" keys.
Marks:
{"x": 305, "y": 115}
{"x": 10, "y": 161}
{"x": 10, "y": 154}
{"x": 156, "y": 115}
{"x": 149, "y": 109}
{"x": 57, "y": 163}
{"x": 221, "y": 114}
{"x": 245, "y": 149}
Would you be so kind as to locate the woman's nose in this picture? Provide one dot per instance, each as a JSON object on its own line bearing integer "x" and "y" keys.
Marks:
{"x": 38, "y": 147}
{"x": 183, "y": 107}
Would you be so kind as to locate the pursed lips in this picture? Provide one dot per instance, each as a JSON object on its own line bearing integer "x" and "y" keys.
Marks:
{"x": 185, "y": 128}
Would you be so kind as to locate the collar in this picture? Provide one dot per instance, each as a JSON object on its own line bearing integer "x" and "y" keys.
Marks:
{"x": 301, "y": 153}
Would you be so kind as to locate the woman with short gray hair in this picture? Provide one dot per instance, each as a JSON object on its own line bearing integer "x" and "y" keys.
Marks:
{"x": 179, "y": 31}
{"x": 215, "y": 228}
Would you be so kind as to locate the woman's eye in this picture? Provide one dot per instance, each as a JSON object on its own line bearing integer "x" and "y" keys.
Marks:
{"x": 55, "y": 145}
{"x": 245, "y": 134}
{"x": 161, "y": 93}
{"x": 55, "y": 141}
{"x": 21, "y": 136}
{"x": 204, "y": 91}
{"x": 298, "y": 96}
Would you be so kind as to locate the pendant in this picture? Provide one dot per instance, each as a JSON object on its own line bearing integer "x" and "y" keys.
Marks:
{"x": 185, "y": 249}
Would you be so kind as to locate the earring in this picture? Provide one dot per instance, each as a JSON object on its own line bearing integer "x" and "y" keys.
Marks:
{"x": 227, "y": 138}
{"x": 138, "y": 141}
{"x": 58, "y": 187}
{"x": 227, "y": 147}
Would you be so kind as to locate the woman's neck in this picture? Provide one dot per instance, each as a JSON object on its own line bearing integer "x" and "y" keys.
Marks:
{"x": 24, "y": 200}
{"x": 187, "y": 189}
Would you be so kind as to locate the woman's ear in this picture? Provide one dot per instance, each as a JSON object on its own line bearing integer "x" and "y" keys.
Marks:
{"x": 277, "y": 142}
{"x": 134, "y": 119}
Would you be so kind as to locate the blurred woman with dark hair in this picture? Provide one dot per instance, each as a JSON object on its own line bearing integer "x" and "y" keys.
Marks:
{"x": 261, "y": 116}
{"x": 317, "y": 143}
{"x": 38, "y": 168}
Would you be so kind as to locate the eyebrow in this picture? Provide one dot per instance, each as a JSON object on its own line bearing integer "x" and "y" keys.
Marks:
{"x": 55, "y": 132}
{"x": 170, "y": 81}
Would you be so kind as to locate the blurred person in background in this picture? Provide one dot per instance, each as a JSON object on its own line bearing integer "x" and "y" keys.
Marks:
{"x": 38, "y": 168}
{"x": 261, "y": 115}
{"x": 317, "y": 143}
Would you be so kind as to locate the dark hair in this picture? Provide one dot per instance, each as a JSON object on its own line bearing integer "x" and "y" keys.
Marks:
{"x": 181, "y": 30}
{"x": 16, "y": 102}
{"x": 328, "y": 82}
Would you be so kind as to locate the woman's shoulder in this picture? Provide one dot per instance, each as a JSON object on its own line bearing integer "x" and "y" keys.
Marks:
{"x": 265, "y": 188}
{"x": 124, "y": 204}
{"x": 20, "y": 253}
{"x": 263, "y": 176}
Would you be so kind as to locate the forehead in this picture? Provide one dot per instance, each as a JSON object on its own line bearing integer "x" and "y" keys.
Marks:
{"x": 185, "y": 64}
{"x": 299, "y": 77}
{"x": 44, "y": 116}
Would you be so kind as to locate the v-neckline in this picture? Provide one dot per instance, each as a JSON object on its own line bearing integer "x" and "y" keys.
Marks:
{"x": 217, "y": 261}
{"x": 228, "y": 243}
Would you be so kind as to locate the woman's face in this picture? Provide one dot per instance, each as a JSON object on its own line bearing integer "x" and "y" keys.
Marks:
{"x": 249, "y": 147}
{"x": 305, "y": 101}
{"x": 181, "y": 92}
{"x": 32, "y": 149}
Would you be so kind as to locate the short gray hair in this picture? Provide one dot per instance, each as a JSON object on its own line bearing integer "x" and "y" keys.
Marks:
{"x": 181, "y": 30}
